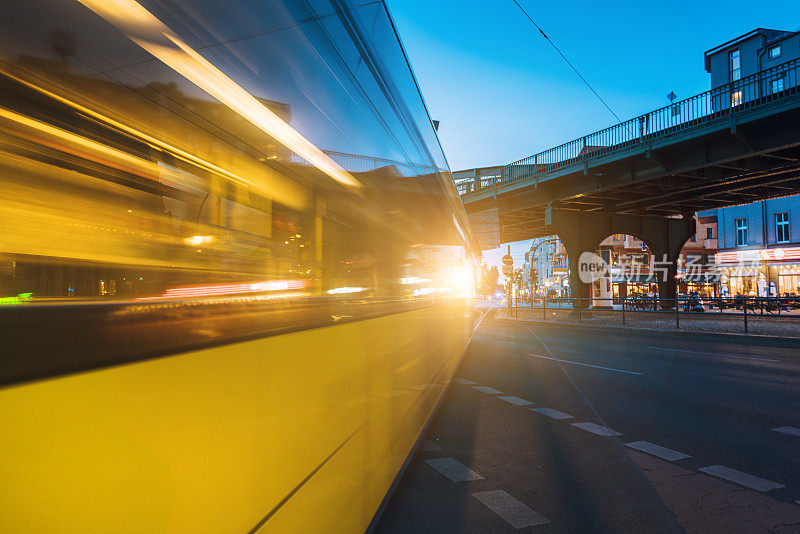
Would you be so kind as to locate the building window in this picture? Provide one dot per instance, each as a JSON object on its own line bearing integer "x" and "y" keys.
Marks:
{"x": 777, "y": 85}
{"x": 782, "y": 227}
{"x": 735, "y": 65}
{"x": 693, "y": 239}
{"x": 736, "y": 98}
{"x": 709, "y": 233}
{"x": 741, "y": 232}
{"x": 775, "y": 51}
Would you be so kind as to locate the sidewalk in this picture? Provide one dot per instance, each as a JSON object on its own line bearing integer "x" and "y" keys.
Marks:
{"x": 767, "y": 325}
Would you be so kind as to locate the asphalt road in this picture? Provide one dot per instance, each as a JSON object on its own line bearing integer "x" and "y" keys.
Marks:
{"x": 679, "y": 436}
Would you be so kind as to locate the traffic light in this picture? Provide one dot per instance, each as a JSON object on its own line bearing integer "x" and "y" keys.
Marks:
{"x": 534, "y": 278}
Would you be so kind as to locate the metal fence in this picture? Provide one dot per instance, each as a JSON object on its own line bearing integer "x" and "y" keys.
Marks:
{"x": 777, "y": 315}
{"x": 357, "y": 163}
{"x": 728, "y": 100}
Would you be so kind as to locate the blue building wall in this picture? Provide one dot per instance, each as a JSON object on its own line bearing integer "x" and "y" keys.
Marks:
{"x": 757, "y": 214}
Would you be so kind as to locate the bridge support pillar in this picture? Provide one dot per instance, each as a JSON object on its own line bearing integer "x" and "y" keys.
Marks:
{"x": 584, "y": 231}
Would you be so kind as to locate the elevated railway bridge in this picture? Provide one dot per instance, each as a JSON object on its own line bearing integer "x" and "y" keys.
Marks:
{"x": 647, "y": 176}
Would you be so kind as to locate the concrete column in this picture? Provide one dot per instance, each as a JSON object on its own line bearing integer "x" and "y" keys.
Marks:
{"x": 583, "y": 231}
{"x": 666, "y": 276}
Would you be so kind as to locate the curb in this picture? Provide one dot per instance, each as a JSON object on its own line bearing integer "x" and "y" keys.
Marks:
{"x": 616, "y": 328}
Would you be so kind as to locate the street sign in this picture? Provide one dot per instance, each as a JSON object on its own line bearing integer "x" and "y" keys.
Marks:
{"x": 508, "y": 260}
{"x": 508, "y": 269}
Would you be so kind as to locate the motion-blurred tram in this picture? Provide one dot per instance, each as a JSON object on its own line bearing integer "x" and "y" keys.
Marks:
{"x": 235, "y": 275}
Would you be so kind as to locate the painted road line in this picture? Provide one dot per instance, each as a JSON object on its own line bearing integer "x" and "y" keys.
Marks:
{"x": 585, "y": 364}
{"x": 514, "y": 512}
{"x": 465, "y": 381}
{"x": 792, "y": 431}
{"x": 555, "y": 414}
{"x": 597, "y": 429}
{"x": 453, "y": 469}
{"x": 516, "y": 401}
{"x": 657, "y": 450}
{"x": 487, "y": 389}
{"x": 713, "y": 354}
{"x": 429, "y": 446}
{"x": 743, "y": 479}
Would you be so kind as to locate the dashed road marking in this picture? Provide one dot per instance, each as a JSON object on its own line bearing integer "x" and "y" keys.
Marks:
{"x": 597, "y": 429}
{"x": 453, "y": 469}
{"x": 792, "y": 431}
{"x": 555, "y": 414}
{"x": 514, "y": 512}
{"x": 585, "y": 364}
{"x": 743, "y": 479}
{"x": 429, "y": 446}
{"x": 657, "y": 450}
{"x": 465, "y": 381}
{"x": 713, "y": 354}
{"x": 516, "y": 401}
{"x": 487, "y": 389}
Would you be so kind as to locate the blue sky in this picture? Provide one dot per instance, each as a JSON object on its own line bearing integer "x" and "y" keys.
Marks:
{"x": 502, "y": 93}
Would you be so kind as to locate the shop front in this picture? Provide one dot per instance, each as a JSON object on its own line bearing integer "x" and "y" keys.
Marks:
{"x": 788, "y": 278}
{"x": 627, "y": 286}
{"x": 705, "y": 285}
{"x": 765, "y": 272}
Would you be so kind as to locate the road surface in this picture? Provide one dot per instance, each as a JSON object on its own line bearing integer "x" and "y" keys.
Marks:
{"x": 560, "y": 429}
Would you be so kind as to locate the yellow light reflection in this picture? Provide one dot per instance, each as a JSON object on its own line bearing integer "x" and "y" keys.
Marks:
{"x": 150, "y": 33}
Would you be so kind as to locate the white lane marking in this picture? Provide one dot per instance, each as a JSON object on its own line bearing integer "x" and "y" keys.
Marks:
{"x": 516, "y": 401}
{"x": 713, "y": 354}
{"x": 429, "y": 446}
{"x": 465, "y": 381}
{"x": 555, "y": 414}
{"x": 597, "y": 429}
{"x": 743, "y": 479}
{"x": 792, "y": 431}
{"x": 584, "y": 364}
{"x": 453, "y": 469}
{"x": 657, "y": 450}
{"x": 514, "y": 512}
{"x": 487, "y": 389}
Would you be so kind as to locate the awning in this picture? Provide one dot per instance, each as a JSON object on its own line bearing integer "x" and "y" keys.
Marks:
{"x": 633, "y": 278}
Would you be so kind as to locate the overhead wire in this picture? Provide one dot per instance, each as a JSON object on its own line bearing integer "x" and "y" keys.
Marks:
{"x": 547, "y": 38}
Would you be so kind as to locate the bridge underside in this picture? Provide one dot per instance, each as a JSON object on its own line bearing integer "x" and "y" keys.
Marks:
{"x": 721, "y": 163}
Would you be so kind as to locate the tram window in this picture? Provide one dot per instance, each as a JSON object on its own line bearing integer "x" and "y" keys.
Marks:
{"x": 137, "y": 183}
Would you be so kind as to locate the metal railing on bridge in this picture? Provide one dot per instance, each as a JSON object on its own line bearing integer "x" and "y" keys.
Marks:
{"x": 749, "y": 92}
{"x": 358, "y": 163}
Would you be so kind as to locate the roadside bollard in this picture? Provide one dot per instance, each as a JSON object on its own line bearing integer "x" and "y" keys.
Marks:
{"x": 744, "y": 309}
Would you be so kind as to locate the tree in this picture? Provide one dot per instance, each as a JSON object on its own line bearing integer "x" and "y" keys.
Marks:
{"x": 489, "y": 280}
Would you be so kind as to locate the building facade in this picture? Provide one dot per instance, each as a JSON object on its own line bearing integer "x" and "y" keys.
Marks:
{"x": 759, "y": 247}
{"x": 773, "y": 53}
{"x": 545, "y": 271}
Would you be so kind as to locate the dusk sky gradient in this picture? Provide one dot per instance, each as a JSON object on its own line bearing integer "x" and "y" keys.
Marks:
{"x": 502, "y": 93}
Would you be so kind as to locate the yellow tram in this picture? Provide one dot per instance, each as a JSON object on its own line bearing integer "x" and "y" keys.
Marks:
{"x": 235, "y": 276}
